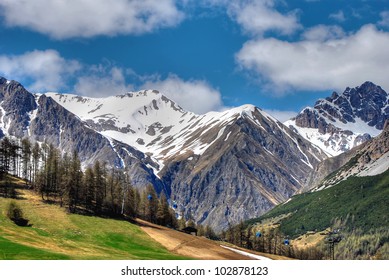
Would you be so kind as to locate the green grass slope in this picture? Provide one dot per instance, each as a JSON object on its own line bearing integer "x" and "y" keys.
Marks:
{"x": 54, "y": 234}
{"x": 356, "y": 203}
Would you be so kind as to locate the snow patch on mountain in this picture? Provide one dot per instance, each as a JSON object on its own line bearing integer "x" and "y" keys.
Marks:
{"x": 343, "y": 121}
{"x": 154, "y": 124}
{"x": 331, "y": 143}
{"x": 376, "y": 167}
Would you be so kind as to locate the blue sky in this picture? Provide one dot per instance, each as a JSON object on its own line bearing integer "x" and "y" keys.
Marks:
{"x": 206, "y": 55}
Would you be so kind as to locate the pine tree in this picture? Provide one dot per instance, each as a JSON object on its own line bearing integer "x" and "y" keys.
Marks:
{"x": 163, "y": 215}
{"x": 89, "y": 189}
{"x": 131, "y": 201}
{"x": 64, "y": 179}
{"x": 14, "y": 156}
{"x": 36, "y": 152}
{"x": 75, "y": 175}
{"x": 200, "y": 230}
{"x": 173, "y": 222}
{"x": 209, "y": 232}
{"x": 26, "y": 159}
{"x": 51, "y": 171}
{"x": 249, "y": 235}
{"x": 5, "y": 155}
{"x": 100, "y": 187}
{"x": 182, "y": 221}
{"x": 151, "y": 204}
{"x": 114, "y": 191}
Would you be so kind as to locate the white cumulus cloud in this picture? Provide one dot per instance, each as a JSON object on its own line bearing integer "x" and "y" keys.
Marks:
{"x": 384, "y": 22}
{"x": 323, "y": 33}
{"x": 280, "y": 115}
{"x": 102, "y": 81}
{"x": 197, "y": 96}
{"x": 87, "y": 18}
{"x": 259, "y": 16}
{"x": 316, "y": 64}
{"x": 47, "y": 69}
{"x": 338, "y": 16}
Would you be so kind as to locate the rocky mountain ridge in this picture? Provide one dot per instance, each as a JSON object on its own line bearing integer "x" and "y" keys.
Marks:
{"x": 40, "y": 118}
{"x": 194, "y": 154}
{"x": 342, "y": 121}
{"x": 220, "y": 167}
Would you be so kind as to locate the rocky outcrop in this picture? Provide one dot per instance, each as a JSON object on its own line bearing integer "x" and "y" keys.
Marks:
{"x": 16, "y": 104}
{"x": 370, "y": 158}
{"x": 256, "y": 164}
{"x": 42, "y": 119}
{"x": 343, "y": 121}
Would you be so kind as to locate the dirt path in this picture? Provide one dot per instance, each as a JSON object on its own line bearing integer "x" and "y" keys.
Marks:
{"x": 189, "y": 245}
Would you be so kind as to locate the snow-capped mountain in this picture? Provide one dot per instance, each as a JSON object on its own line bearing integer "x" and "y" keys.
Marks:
{"x": 219, "y": 167}
{"x": 338, "y": 123}
{"x": 155, "y": 125}
{"x": 150, "y": 122}
{"x": 40, "y": 118}
{"x": 195, "y": 154}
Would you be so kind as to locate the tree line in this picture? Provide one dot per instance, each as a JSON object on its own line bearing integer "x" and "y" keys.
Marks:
{"x": 270, "y": 240}
{"x": 97, "y": 190}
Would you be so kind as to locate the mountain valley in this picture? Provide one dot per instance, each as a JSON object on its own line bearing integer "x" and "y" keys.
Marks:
{"x": 218, "y": 168}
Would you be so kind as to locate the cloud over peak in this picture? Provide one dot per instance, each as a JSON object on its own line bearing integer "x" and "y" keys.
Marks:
{"x": 321, "y": 61}
{"x": 47, "y": 69}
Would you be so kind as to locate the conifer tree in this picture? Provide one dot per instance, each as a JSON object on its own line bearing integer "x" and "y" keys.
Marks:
{"x": 26, "y": 159}
{"x": 127, "y": 196}
{"x": 5, "y": 157}
{"x": 163, "y": 215}
{"x": 100, "y": 189}
{"x": 173, "y": 219}
{"x": 209, "y": 232}
{"x": 36, "y": 151}
{"x": 182, "y": 221}
{"x": 89, "y": 189}
{"x": 64, "y": 179}
{"x": 151, "y": 204}
{"x": 75, "y": 175}
{"x": 131, "y": 202}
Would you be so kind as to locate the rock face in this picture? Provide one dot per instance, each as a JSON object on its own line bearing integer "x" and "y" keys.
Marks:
{"x": 42, "y": 119}
{"x": 370, "y": 158}
{"x": 255, "y": 165}
{"x": 343, "y": 121}
{"x": 16, "y": 103}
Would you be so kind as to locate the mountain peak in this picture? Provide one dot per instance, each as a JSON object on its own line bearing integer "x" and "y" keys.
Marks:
{"x": 341, "y": 121}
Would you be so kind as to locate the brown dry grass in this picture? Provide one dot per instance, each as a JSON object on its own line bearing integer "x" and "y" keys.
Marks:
{"x": 194, "y": 246}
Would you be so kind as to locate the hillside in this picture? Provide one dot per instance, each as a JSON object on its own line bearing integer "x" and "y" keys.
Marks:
{"x": 358, "y": 201}
{"x": 357, "y": 206}
{"x": 55, "y": 234}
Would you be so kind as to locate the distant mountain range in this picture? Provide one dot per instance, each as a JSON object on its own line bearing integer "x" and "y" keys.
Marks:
{"x": 220, "y": 167}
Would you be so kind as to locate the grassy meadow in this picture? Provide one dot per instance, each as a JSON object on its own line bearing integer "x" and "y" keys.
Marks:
{"x": 54, "y": 234}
